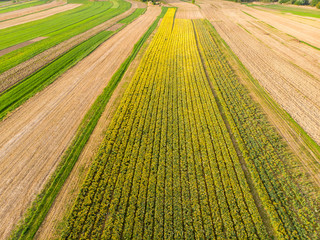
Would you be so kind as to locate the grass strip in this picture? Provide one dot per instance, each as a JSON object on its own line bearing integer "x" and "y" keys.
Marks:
{"x": 40, "y": 207}
{"x": 134, "y": 15}
{"x": 22, "y": 6}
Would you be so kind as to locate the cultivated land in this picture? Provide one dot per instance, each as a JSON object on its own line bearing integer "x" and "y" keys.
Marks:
{"x": 37, "y": 16}
{"x": 31, "y": 150}
{"x": 30, "y": 10}
{"x": 194, "y": 142}
{"x": 189, "y": 155}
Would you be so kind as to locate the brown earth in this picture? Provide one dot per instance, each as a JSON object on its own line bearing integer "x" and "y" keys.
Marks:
{"x": 185, "y": 10}
{"x": 21, "y": 71}
{"x": 37, "y": 16}
{"x": 115, "y": 27}
{"x": 26, "y": 11}
{"x": 56, "y": 218}
{"x": 286, "y": 68}
{"x": 35, "y": 136}
{"x": 20, "y": 45}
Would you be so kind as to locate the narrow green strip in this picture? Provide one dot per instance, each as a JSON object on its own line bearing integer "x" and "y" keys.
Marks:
{"x": 39, "y": 209}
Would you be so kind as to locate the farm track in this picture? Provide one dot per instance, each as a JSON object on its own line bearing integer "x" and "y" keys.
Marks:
{"x": 21, "y": 71}
{"x": 37, "y": 15}
{"x": 37, "y": 133}
{"x": 287, "y": 69}
{"x": 30, "y": 10}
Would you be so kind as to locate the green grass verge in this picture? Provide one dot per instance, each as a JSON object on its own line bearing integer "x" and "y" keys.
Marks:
{"x": 39, "y": 209}
{"x": 300, "y": 11}
{"x": 56, "y": 28}
{"x": 19, "y": 6}
{"x": 133, "y": 16}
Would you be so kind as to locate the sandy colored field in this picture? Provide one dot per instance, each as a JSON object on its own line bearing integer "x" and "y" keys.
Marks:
{"x": 21, "y": 71}
{"x": 301, "y": 31}
{"x": 185, "y": 10}
{"x": 287, "y": 69}
{"x": 37, "y": 16}
{"x": 36, "y": 135}
{"x": 26, "y": 11}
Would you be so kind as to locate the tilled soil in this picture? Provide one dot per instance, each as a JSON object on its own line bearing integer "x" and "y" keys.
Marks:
{"x": 37, "y": 16}
{"x": 36, "y": 135}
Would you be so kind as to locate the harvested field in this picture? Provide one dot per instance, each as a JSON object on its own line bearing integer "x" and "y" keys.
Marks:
{"x": 30, "y": 10}
{"x": 36, "y": 135}
{"x": 21, "y": 71}
{"x": 20, "y": 45}
{"x": 37, "y": 16}
{"x": 185, "y": 10}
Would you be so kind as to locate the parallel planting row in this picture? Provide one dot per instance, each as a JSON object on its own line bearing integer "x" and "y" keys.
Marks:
{"x": 188, "y": 154}
{"x": 56, "y": 29}
{"x": 23, "y": 90}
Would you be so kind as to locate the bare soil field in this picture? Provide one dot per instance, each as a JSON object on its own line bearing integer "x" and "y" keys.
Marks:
{"x": 37, "y": 16}
{"x": 30, "y": 10}
{"x": 288, "y": 69}
{"x": 21, "y": 71}
{"x": 185, "y": 10}
{"x": 36, "y": 135}
{"x": 301, "y": 31}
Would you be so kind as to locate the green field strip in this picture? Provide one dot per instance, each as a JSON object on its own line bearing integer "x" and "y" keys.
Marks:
{"x": 135, "y": 14}
{"x": 33, "y": 13}
{"x": 40, "y": 207}
{"x": 300, "y": 11}
{"x": 57, "y": 29}
{"x": 22, "y": 6}
{"x": 16, "y": 95}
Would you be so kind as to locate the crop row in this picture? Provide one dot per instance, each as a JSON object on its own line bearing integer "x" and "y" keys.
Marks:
{"x": 56, "y": 28}
{"x": 167, "y": 167}
{"x": 291, "y": 212}
{"x": 18, "y": 6}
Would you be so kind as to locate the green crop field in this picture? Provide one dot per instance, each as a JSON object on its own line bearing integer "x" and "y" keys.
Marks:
{"x": 189, "y": 155}
{"x": 56, "y": 28}
{"x": 19, "y": 6}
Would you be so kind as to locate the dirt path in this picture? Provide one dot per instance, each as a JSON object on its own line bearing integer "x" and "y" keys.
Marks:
{"x": 288, "y": 70}
{"x": 37, "y": 16}
{"x": 35, "y": 136}
{"x": 26, "y": 11}
{"x": 185, "y": 10}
